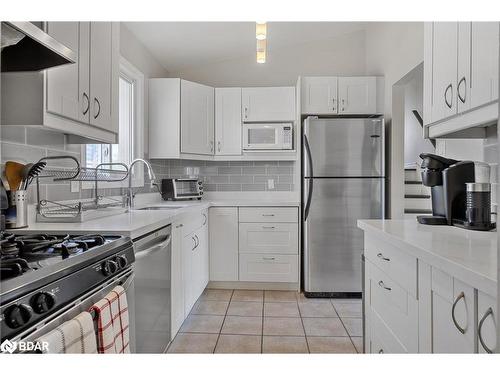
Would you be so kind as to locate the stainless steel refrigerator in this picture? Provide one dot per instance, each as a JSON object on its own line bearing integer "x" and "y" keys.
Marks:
{"x": 343, "y": 181}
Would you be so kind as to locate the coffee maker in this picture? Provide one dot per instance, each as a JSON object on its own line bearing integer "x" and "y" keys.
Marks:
{"x": 449, "y": 181}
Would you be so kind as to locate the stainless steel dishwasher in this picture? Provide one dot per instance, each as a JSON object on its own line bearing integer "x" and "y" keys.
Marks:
{"x": 152, "y": 269}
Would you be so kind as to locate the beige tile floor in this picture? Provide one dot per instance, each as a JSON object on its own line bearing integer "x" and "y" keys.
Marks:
{"x": 256, "y": 321}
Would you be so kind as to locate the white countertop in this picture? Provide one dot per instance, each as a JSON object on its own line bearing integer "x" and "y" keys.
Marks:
{"x": 137, "y": 223}
{"x": 470, "y": 256}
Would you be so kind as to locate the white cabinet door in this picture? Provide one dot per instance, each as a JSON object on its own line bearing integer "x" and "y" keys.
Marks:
{"x": 268, "y": 104}
{"x": 223, "y": 243}
{"x": 319, "y": 95}
{"x": 453, "y": 315}
{"x": 357, "y": 95}
{"x": 487, "y": 323}
{"x": 84, "y": 72}
{"x": 444, "y": 70}
{"x": 203, "y": 249}
{"x": 177, "y": 286}
{"x": 62, "y": 82}
{"x": 228, "y": 121}
{"x": 464, "y": 67}
{"x": 197, "y": 118}
{"x": 484, "y": 62}
{"x": 188, "y": 272}
{"x": 269, "y": 268}
{"x": 101, "y": 74}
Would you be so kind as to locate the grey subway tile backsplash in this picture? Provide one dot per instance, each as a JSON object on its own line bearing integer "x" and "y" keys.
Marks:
{"x": 231, "y": 175}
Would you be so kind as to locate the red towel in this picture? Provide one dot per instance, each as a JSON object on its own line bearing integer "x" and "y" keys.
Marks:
{"x": 112, "y": 322}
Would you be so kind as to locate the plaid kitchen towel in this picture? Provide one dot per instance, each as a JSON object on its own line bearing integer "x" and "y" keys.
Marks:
{"x": 112, "y": 322}
{"x": 76, "y": 336}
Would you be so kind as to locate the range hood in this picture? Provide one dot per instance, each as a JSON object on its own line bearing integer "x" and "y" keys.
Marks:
{"x": 27, "y": 48}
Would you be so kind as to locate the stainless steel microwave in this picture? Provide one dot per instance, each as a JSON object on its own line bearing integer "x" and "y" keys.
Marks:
{"x": 268, "y": 136}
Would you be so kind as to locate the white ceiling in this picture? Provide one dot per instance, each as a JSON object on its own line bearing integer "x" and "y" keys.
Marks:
{"x": 181, "y": 45}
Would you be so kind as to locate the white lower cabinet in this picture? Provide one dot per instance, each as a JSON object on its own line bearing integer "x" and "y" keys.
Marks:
{"x": 487, "y": 323}
{"x": 223, "y": 243}
{"x": 445, "y": 316}
{"x": 177, "y": 285}
{"x": 269, "y": 268}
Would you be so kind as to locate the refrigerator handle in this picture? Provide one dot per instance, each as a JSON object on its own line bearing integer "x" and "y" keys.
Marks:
{"x": 310, "y": 190}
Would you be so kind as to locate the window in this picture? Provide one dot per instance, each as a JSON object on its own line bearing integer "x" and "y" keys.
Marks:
{"x": 131, "y": 115}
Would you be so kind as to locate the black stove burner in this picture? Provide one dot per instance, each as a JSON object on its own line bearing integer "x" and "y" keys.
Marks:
{"x": 19, "y": 254}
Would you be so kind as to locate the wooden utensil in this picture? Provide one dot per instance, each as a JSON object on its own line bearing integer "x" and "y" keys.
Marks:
{"x": 14, "y": 174}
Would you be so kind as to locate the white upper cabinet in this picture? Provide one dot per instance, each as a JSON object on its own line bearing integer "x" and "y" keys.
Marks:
{"x": 484, "y": 61}
{"x": 101, "y": 77}
{"x": 357, "y": 95}
{"x": 62, "y": 84}
{"x": 444, "y": 68}
{"x": 460, "y": 76}
{"x": 267, "y": 104}
{"x": 197, "y": 118}
{"x": 319, "y": 95}
{"x": 228, "y": 121}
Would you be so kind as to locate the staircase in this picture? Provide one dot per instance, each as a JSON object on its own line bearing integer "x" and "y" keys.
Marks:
{"x": 417, "y": 196}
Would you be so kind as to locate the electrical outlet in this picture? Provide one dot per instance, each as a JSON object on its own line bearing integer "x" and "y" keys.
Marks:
{"x": 270, "y": 184}
{"x": 74, "y": 186}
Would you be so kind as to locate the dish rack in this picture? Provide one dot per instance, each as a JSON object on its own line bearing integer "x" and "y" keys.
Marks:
{"x": 80, "y": 210}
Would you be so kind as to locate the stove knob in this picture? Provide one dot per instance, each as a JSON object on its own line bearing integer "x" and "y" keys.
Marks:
{"x": 109, "y": 267}
{"x": 43, "y": 302}
{"x": 17, "y": 315}
{"x": 122, "y": 261}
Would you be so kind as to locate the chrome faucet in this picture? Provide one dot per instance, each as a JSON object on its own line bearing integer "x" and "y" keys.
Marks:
{"x": 152, "y": 178}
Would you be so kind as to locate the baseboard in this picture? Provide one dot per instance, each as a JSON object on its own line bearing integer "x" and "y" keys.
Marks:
{"x": 252, "y": 285}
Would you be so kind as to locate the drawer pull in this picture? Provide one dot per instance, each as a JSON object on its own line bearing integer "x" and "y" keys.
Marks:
{"x": 381, "y": 256}
{"x": 179, "y": 226}
{"x": 460, "y": 329}
{"x": 382, "y": 285}
{"x": 480, "y": 328}
{"x": 268, "y": 227}
{"x": 268, "y": 215}
{"x": 268, "y": 258}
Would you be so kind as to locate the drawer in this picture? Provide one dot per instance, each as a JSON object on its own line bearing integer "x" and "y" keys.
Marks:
{"x": 395, "y": 306}
{"x": 398, "y": 265}
{"x": 382, "y": 340}
{"x": 269, "y": 238}
{"x": 269, "y": 215}
{"x": 193, "y": 221}
{"x": 269, "y": 268}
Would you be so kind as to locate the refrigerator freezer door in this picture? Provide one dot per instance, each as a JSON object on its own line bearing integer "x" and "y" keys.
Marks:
{"x": 344, "y": 147}
{"x": 333, "y": 243}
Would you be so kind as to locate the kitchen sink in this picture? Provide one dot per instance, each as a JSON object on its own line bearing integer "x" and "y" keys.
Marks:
{"x": 156, "y": 208}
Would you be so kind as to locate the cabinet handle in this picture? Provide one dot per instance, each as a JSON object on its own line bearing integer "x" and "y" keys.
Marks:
{"x": 343, "y": 105}
{"x": 448, "y": 88}
{"x": 197, "y": 240}
{"x": 268, "y": 258}
{"x": 98, "y": 107}
{"x": 246, "y": 112}
{"x": 211, "y": 146}
{"x": 179, "y": 226}
{"x": 462, "y": 99}
{"x": 382, "y": 285}
{"x": 381, "y": 256}
{"x": 333, "y": 104}
{"x": 460, "y": 296}
{"x": 86, "y": 97}
{"x": 268, "y": 227}
{"x": 218, "y": 146}
{"x": 195, "y": 244}
{"x": 205, "y": 216}
{"x": 480, "y": 328}
{"x": 270, "y": 215}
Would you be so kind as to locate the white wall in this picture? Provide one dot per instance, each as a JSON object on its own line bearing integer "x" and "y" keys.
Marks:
{"x": 135, "y": 52}
{"x": 343, "y": 55}
{"x": 392, "y": 50}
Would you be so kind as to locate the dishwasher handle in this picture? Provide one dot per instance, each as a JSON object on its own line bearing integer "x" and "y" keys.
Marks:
{"x": 144, "y": 253}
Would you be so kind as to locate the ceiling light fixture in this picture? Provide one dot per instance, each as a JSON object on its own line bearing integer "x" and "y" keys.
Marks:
{"x": 260, "y": 30}
{"x": 261, "y": 35}
{"x": 261, "y": 51}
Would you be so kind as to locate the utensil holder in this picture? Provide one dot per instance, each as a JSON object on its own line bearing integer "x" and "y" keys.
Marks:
{"x": 17, "y": 213}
